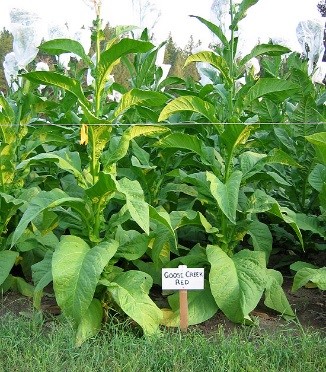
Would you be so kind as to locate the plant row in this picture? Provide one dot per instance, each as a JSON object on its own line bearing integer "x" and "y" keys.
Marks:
{"x": 102, "y": 186}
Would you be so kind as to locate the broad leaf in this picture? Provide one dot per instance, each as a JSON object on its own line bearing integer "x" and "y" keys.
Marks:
{"x": 139, "y": 97}
{"x": 305, "y": 275}
{"x": 267, "y": 110}
{"x": 214, "y": 60}
{"x": 90, "y": 323}
{"x": 132, "y": 244}
{"x": 226, "y": 194}
{"x": 69, "y": 84}
{"x": 138, "y": 208}
{"x": 76, "y": 269}
{"x": 66, "y": 160}
{"x": 111, "y": 156}
{"x": 42, "y": 276}
{"x": 286, "y": 215}
{"x": 189, "y": 103}
{"x": 102, "y": 190}
{"x": 264, "y": 49}
{"x": 42, "y": 272}
{"x": 182, "y": 141}
{"x": 130, "y": 291}
{"x": 59, "y": 46}
{"x": 109, "y": 58}
{"x": 48, "y": 200}
{"x": 235, "y": 135}
{"x": 237, "y": 282}
{"x": 319, "y": 142}
{"x": 261, "y": 236}
{"x": 317, "y": 177}
{"x": 164, "y": 232}
{"x": 275, "y": 297}
{"x": 275, "y": 89}
{"x": 7, "y": 116}
{"x": 7, "y": 261}
{"x": 8, "y": 208}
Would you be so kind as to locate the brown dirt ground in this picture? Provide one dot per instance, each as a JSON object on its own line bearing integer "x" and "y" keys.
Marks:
{"x": 308, "y": 303}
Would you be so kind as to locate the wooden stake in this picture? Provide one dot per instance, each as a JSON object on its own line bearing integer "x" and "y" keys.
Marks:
{"x": 183, "y": 297}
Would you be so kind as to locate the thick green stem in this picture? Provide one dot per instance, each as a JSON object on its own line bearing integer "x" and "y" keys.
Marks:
{"x": 97, "y": 222}
{"x": 231, "y": 64}
{"x": 97, "y": 97}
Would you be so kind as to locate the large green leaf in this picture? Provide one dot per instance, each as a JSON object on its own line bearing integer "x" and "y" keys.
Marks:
{"x": 182, "y": 140}
{"x": 191, "y": 218}
{"x": 235, "y": 135}
{"x": 66, "y": 160}
{"x": 42, "y": 272}
{"x": 111, "y": 56}
{"x": 286, "y": 215}
{"x": 317, "y": 177}
{"x": 201, "y": 307}
{"x": 111, "y": 156}
{"x": 319, "y": 142}
{"x": 7, "y": 261}
{"x": 259, "y": 202}
{"x": 264, "y": 49}
{"x": 165, "y": 239}
{"x": 59, "y": 46}
{"x": 132, "y": 244}
{"x": 275, "y": 297}
{"x": 102, "y": 190}
{"x": 306, "y": 274}
{"x": 48, "y": 200}
{"x": 90, "y": 323}
{"x": 215, "y": 29}
{"x": 214, "y": 60}
{"x": 68, "y": 84}
{"x": 138, "y": 208}
{"x": 76, "y": 269}
{"x": 237, "y": 282}
{"x": 130, "y": 291}
{"x": 139, "y": 97}
{"x": 267, "y": 110}
{"x": 278, "y": 156}
{"x": 226, "y": 194}
{"x": 305, "y": 112}
{"x": 42, "y": 276}
{"x": 275, "y": 89}
{"x": 189, "y": 103}
{"x": 261, "y": 236}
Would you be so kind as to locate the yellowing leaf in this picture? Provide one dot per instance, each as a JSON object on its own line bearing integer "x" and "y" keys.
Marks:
{"x": 84, "y": 134}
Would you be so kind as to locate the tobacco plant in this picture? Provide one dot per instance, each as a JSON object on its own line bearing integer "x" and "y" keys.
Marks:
{"x": 98, "y": 216}
{"x": 228, "y": 189}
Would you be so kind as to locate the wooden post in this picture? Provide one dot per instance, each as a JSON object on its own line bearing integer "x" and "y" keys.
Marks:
{"x": 183, "y": 296}
{"x": 183, "y": 279}
{"x": 183, "y": 303}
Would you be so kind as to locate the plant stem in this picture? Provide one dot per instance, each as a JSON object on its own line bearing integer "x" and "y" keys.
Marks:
{"x": 231, "y": 63}
{"x": 97, "y": 97}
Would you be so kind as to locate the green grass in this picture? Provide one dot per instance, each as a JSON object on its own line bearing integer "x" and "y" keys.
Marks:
{"x": 32, "y": 345}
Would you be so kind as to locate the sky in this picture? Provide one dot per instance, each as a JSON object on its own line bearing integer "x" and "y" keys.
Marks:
{"x": 269, "y": 18}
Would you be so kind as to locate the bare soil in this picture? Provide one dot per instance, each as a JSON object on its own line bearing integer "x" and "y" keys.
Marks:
{"x": 309, "y": 305}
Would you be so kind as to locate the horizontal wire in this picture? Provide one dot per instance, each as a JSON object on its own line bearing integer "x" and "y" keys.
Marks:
{"x": 152, "y": 124}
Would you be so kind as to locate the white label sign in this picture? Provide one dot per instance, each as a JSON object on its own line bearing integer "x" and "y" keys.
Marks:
{"x": 183, "y": 278}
